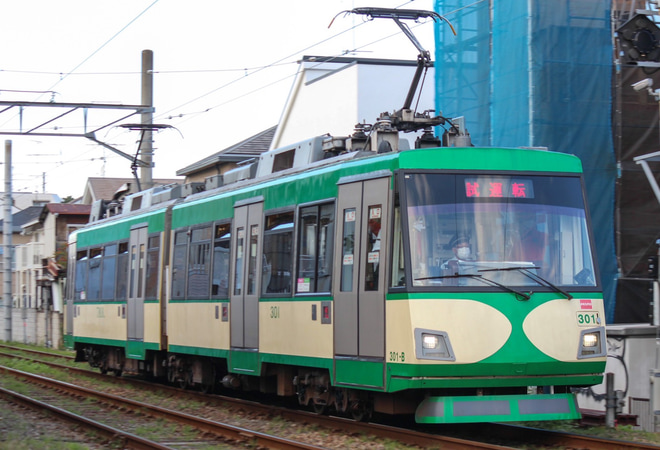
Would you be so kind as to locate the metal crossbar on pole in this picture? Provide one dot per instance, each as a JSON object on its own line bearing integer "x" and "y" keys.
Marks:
{"x": 66, "y": 109}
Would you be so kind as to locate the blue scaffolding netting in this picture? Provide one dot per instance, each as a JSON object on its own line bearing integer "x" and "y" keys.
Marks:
{"x": 537, "y": 73}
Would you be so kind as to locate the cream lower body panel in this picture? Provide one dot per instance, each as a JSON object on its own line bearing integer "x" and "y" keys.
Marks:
{"x": 475, "y": 329}
{"x": 288, "y": 328}
{"x": 100, "y": 322}
{"x": 192, "y": 324}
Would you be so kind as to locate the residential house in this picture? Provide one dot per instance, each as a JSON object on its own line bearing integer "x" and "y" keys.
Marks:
{"x": 101, "y": 188}
{"x": 41, "y": 262}
{"x": 23, "y": 200}
{"x": 228, "y": 158}
{"x": 17, "y": 239}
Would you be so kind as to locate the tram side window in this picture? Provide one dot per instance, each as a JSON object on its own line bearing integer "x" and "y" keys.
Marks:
{"x": 122, "y": 271}
{"x": 316, "y": 240}
{"x": 81, "y": 275}
{"x": 153, "y": 257}
{"x": 221, "y": 246}
{"x": 199, "y": 263}
{"x": 398, "y": 267}
{"x": 238, "y": 261}
{"x": 278, "y": 258}
{"x": 252, "y": 261}
{"x": 348, "y": 249}
{"x": 133, "y": 263}
{"x": 372, "y": 248}
{"x": 109, "y": 272}
{"x": 179, "y": 264}
{"x": 94, "y": 274}
{"x": 70, "y": 274}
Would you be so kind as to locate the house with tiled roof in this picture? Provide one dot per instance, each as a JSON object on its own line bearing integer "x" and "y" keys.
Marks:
{"x": 18, "y": 238}
{"x": 39, "y": 239}
{"x": 23, "y": 200}
{"x": 228, "y": 158}
{"x": 21, "y": 217}
{"x": 101, "y": 188}
{"x": 41, "y": 262}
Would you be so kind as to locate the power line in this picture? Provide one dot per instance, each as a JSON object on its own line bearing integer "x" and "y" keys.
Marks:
{"x": 268, "y": 66}
{"x": 64, "y": 76}
{"x": 198, "y": 113}
{"x": 159, "y": 72}
{"x": 168, "y": 114}
{"x": 248, "y": 72}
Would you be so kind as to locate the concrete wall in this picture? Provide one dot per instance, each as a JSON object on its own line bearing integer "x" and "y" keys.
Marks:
{"x": 33, "y": 326}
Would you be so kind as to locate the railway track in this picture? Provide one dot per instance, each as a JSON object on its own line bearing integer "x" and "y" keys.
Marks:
{"x": 337, "y": 424}
{"x": 555, "y": 439}
{"x": 499, "y": 433}
{"x": 31, "y": 351}
{"x": 97, "y": 410}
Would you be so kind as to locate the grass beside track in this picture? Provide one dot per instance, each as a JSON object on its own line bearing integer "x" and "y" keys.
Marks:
{"x": 622, "y": 432}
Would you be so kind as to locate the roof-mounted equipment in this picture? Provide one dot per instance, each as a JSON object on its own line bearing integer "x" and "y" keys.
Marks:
{"x": 406, "y": 119}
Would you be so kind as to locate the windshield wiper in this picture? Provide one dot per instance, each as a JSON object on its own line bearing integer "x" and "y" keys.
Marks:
{"x": 534, "y": 277}
{"x": 481, "y": 278}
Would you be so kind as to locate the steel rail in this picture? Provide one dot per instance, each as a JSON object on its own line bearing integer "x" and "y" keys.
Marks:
{"x": 561, "y": 439}
{"x": 36, "y": 352}
{"x": 219, "y": 429}
{"x": 409, "y": 437}
{"x": 128, "y": 440}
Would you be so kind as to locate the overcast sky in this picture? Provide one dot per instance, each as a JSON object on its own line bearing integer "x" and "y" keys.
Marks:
{"x": 223, "y": 71}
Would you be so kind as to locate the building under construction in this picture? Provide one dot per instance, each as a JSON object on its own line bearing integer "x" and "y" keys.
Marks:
{"x": 578, "y": 76}
{"x": 558, "y": 74}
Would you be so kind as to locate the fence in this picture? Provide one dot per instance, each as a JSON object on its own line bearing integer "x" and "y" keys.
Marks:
{"x": 34, "y": 326}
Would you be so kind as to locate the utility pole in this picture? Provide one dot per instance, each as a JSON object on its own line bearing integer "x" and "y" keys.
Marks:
{"x": 7, "y": 244}
{"x": 146, "y": 141}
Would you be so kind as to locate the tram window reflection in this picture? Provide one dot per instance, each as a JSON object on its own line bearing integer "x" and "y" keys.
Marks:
{"x": 315, "y": 248}
{"x": 372, "y": 248}
{"x": 546, "y": 235}
{"x": 278, "y": 258}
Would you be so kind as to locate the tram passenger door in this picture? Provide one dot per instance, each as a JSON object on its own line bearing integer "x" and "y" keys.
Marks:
{"x": 137, "y": 274}
{"x": 246, "y": 270}
{"x": 359, "y": 291}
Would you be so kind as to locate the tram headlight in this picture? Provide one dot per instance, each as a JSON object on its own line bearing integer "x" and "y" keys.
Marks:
{"x": 592, "y": 343}
{"x": 430, "y": 341}
{"x": 590, "y": 340}
{"x": 431, "y": 344}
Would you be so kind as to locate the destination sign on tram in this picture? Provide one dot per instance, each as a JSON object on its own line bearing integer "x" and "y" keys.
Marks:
{"x": 492, "y": 187}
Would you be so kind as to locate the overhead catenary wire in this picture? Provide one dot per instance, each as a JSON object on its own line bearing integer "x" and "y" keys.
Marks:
{"x": 252, "y": 70}
{"x": 262, "y": 68}
{"x": 176, "y": 113}
{"x": 191, "y": 115}
{"x": 124, "y": 72}
{"x": 63, "y": 76}
{"x": 27, "y": 182}
{"x": 169, "y": 116}
{"x": 113, "y": 37}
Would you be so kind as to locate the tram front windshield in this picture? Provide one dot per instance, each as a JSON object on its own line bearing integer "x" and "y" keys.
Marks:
{"x": 466, "y": 230}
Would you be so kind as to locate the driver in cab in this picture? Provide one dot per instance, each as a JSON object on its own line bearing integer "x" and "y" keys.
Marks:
{"x": 460, "y": 245}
